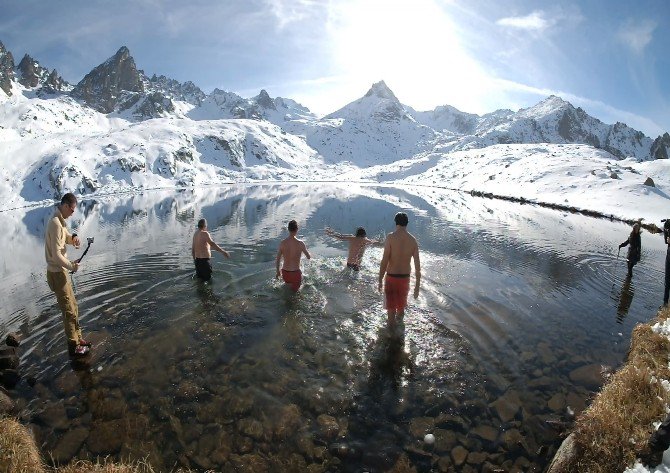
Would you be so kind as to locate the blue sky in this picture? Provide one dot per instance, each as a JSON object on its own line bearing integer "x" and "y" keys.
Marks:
{"x": 608, "y": 57}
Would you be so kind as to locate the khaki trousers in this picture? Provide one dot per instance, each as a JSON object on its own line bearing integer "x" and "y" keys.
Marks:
{"x": 60, "y": 284}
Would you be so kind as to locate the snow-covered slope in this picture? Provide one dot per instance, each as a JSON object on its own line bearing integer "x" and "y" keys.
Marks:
{"x": 119, "y": 130}
{"x": 374, "y": 129}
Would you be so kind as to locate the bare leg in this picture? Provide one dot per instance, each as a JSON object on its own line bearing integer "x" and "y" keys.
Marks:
{"x": 391, "y": 317}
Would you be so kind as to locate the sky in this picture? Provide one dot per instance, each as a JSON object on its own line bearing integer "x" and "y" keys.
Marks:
{"x": 607, "y": 56}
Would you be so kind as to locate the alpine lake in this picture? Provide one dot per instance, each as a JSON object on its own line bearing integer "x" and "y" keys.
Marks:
{"x": 520, "y": 310}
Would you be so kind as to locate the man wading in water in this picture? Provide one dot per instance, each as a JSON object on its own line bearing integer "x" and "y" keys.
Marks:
{"x": 201, "y": 252}
{"x": 55, "y": 239}
{"x": 357, "y": 245}
{"x": 400, "y": 247}
{"x": 291, "y": 249}
{"x": 635, "y": 248}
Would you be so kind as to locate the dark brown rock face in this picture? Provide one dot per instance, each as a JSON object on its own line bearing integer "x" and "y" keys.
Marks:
{"x": 103, "y": 86}
{"x": 6, "y": 70}
{"x": 661, "y": 146}
{"x": 31, "y": 72}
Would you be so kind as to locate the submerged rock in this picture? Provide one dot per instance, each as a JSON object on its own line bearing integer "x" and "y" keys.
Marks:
{"x": 13, "y": 339}
{"x": 588, "y": 375}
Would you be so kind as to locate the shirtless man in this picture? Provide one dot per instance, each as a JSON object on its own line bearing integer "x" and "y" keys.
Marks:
{"x": 400, "y": 247}
{"x": 291, "y": 249}
{"x": 357, "y": 245}
{"x": 201, "y": 252}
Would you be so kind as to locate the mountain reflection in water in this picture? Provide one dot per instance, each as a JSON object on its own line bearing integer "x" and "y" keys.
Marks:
{"x": 516, "y": 304}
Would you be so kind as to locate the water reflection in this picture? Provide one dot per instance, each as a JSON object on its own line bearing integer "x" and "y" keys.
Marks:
{"x": 239, "y": 374}
{"x": 625, "y": 299}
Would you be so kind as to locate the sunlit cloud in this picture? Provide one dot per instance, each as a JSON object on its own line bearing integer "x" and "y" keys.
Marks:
{"x": 637, "y": 34}
{"x": 535, "y": 21}
{"x": 290, "y": 11}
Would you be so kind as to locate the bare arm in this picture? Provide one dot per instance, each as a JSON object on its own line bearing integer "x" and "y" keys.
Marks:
{"x": 417, "y": 271}
{"x": 385, "y": 261}
{"x": 278, "y": 260}
{"x": 217, "y": 247}
{"x": 304, "y": 250}
{"x": 374, "y": 242}
{"x": 332, "y": 233}
{"x": 193, "y": 247}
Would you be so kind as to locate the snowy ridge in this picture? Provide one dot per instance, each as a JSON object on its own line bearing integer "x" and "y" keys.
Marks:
{"x": 118, "y": 130}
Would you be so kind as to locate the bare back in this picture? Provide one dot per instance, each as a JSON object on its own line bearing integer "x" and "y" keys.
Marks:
{"x": 201, "y": 244}
{"x": 400, "y": 247}
{"x": 291, "y": 250}
{"x": 357, "y": 247}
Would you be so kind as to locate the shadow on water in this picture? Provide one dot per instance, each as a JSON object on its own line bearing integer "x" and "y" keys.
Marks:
{"x": 241, "y": 374}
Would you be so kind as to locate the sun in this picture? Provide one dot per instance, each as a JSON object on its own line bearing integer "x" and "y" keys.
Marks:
{"x": 412, "y": 45}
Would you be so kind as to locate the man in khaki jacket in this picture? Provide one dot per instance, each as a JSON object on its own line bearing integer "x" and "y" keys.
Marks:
{"x": 55, "y": 239}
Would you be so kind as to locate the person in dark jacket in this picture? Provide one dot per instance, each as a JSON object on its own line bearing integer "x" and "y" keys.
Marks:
{"x": 635, "y": 248}
{"x": 666, "y": 238}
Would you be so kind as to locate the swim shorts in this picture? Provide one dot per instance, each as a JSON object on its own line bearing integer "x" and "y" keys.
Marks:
{"x": 203, "y": 268}
{"x": 353, "y": 266}
{"x": 396, "y": 289}
{"x": 292, "y": 278}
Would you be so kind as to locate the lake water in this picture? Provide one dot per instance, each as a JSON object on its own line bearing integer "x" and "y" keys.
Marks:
{"x": 519, "y": 308}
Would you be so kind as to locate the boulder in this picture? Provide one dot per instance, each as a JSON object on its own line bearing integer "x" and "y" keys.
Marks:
{"x": 649, "y": 182}
{"x": 6, "y": 404}
{"x": 589, "y": 376}
{"x": 10, "y": 378}
{"x": 13, "y": 339}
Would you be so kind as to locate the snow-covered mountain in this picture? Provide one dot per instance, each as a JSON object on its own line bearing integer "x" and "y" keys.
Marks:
{"x": 120, "y": 129}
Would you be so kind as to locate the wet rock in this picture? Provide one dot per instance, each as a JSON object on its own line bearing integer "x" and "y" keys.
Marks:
{"x": 576, "y": 402}
{"x": 557, "y": 402}
{"x": 521, "y": 464}
{"x": 54, "y": 416}
{"x": 450, "y": 421}
{"x": 305, "y": 446}
{"x": 420, "y": 426}
{"x": 444, "y": 465}
{"x": 288, "y": 422}
{"x": 202, "y": 462}
{"x": 249, "y": 463}
{"x": 6, "y": 404}
{"x": 507, "y": 406}
{"x": 546, "y": 353}
{"x": 187, "y": 391}
{"x": 13, "y": 339}
{"x": 459, "y": 454}
{"x": 489, "y": 467}
{"x": 476, "y": 458}
{"x": 445, "y": 440}
{"x": 106, "y": 438}
{"x": 563, "y": 456}
{"x": 8, "y": 358}
{"x": 485, "y": 432}
{"x": 68, "y": 446}
{"x": 105, "y": 407}
{"x": 542, "y": 382}
{"x": 402, "y": 465}
{"x": 649, "y": 182}
{"x": 589, "y": 376}
{"x": 328, "y": 426}
{"x": 252, "y": 428}
{"x": 243, "y": 444}
{"x": 67, "y": 383}
{"x": 514, "y": 441}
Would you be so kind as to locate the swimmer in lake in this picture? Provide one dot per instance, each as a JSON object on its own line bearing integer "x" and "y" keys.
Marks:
{"x": 357, "y": 245}
{"x": 291, "y": 250}
{"x": 400, "y": 248}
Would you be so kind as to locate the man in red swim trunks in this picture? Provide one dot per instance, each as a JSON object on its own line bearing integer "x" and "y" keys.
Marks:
{"x": 291, "y": 249}
{"x": 399, "y": 249}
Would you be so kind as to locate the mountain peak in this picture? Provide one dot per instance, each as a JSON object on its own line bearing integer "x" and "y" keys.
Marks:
{"x": 6, "y": 70}
{"x": 101, "y": 88}
{"x": 264, "y": 100}
{"x": 381, "y": 90}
